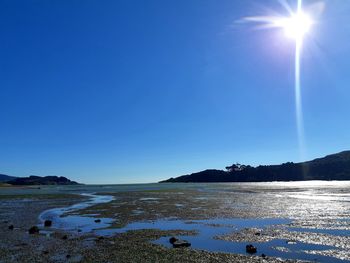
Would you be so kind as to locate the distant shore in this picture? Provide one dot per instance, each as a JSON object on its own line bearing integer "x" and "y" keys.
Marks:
{"x": 331, "y": 167}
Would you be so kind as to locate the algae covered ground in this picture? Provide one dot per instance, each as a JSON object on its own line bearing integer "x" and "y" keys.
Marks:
{"x": 287, "y": 222}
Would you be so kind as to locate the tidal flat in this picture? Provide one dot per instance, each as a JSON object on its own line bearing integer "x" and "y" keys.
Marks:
{"x": 285, "y": 221}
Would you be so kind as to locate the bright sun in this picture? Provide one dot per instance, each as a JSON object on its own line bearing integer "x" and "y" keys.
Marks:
{"x": 295, "y": 26}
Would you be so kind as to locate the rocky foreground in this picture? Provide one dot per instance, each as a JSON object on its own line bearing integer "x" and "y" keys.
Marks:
{"x": 18, "y": 245}
{"x": 21, "y": 212}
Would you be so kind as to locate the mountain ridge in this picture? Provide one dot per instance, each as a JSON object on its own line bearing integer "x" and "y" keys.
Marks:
{"x": 38, "y": 180}
{"x": 331, "y": 167}
{"x": 5, "y": 178}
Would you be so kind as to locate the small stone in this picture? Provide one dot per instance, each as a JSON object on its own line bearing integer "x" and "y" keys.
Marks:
{"x": 263, "y": 255}
{"x": 181, "y": 243}
{"x": 250, "y": 249}
{"x": 48, "y": 223}
{"x": 11, "y": 227}
{"x": 172, "y": 240}
{"x": 45, "y": 252}
{"x": 68, "y": 256}
{"x": 97, "y": 220}
{"x": 65, "y": 237}
{"x": 257, "y": 233}
{"x": 33, "y": 230}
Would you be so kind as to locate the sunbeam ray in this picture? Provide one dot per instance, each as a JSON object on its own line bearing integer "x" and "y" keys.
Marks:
{"x": 298, "y": 100}
{"x": 295, "y": 26}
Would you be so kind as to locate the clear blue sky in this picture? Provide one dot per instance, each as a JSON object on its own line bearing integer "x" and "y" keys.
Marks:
{"x": 139, "y": 91}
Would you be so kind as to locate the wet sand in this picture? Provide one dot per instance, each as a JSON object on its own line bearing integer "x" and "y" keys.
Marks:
{"x": 318, "y": 225}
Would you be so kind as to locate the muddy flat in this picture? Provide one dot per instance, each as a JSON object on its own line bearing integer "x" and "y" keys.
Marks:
{"x": 285, "y": 222}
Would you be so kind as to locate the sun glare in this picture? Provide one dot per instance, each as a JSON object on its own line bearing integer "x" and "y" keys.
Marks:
{"x": 296, "y": 26}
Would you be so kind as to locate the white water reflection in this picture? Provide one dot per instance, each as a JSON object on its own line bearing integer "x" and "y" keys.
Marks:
{"x": 62, "y": 218}
{"x": 345, "y": 197}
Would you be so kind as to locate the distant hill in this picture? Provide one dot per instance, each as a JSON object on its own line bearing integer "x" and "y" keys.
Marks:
{"x": 331, "y": 167}
{"x": 5, "y": 178}
{"x": 38, "y": 180}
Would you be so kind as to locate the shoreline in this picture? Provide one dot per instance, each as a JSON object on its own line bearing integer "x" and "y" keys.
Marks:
{"x": 189, "y": 204}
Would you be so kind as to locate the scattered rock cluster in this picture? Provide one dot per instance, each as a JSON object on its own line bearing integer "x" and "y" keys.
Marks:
{"x": 48, "y": 223}
{"x": 250, "y": 249}
{"x": 33, "y": 230}
{"x": 177, "y": 243}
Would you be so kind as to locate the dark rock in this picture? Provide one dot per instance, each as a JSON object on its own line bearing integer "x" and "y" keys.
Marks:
{"x": 79, "y": 230}
{"x": 100, "y": 238}
{"x": 172, "y": 240}
{"x": 257, "y": 234}
{"x": 45, "y": 252}
{"x": 48, "y": 223}
{"x": 263, "y": 255}
{"x": 181, "y": 243}
{"x": 33, "y": 230}
{"x": 21, "y": 244}
{"x": 250, "y": 249}
{"x": 11, "y": 227}
{"x": 97, "y": 220}
{"x": 65, "y": 237}
{"x": 68, "y": 256}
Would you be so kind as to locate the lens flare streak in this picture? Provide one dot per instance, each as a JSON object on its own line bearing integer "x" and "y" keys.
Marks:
{"x": 298, "y": 102}
{"x": 296, "y": 25}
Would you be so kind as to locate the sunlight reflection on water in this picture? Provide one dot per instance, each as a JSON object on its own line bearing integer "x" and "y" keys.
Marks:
{"x": 326, "y": 212}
